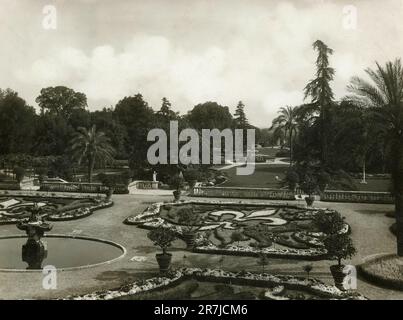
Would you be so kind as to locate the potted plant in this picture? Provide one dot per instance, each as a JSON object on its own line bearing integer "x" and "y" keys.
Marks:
{"x": 309, "y": 185}
{"x": 163, "y": 237}
{"x": 337, "y": 242}
{"x": 307, "y": 268}
{"x": 339, "y": 246}
{"x": 190, "y": 223}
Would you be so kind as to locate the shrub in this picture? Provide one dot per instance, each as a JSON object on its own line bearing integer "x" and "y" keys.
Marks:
{"x": 292, "y": 179}
{"x": 323, "y": 180}
{"x": 330, "y": 222}
{"x": 283, "y": 153}
{"x": 189, "y": 219}
{"x": 19, "y": 173}
{"x": 309, "y": 184}
{"x": 339, "y": 246}
{"x": 162, "y": 237}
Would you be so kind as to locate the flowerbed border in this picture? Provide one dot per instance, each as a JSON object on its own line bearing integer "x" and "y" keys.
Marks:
{"x": 313, "y": 286}
{"x": 378, "y": 279}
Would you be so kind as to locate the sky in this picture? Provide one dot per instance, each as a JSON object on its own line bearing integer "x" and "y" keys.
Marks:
{"x": 192, "y": 51}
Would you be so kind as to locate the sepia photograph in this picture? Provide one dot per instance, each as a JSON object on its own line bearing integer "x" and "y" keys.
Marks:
{"x": 234, "y": 153}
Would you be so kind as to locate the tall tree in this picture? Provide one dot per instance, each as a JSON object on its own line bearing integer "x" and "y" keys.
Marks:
{"x": 210, "y": 115}
{"x": 138, "y": 118}
{"x": 166, "y": 113}
{"x": 383, "y": 95}
{"x": 61, "y": 100}
{"x": 17, "y": 123}
{"x": 91, "y": 145}
{"x": 286, "y": 123}
{"x": 321, "y": 94}
{"x": 241, "y": 121}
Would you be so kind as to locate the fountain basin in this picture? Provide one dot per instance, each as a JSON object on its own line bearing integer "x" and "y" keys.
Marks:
{"x": 65, "y": 252}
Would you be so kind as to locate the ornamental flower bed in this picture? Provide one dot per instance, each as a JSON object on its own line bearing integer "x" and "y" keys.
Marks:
{"x": 80, "y": 212}
{"x": 313, "y": 286}
{"x": 151, "y": 218}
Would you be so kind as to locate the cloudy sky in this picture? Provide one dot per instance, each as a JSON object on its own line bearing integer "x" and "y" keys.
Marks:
{"x": 192, "y": 51}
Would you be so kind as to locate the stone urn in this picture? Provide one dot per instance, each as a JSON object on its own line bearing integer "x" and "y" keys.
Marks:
{"x": 338, "y": 276}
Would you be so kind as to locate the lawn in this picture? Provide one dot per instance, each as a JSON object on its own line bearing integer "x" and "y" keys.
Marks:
{"x": 263, "y": 177}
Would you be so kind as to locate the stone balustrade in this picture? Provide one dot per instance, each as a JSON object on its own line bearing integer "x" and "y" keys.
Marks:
{"x": 357, "y": 196}
{"x": 250, "y": 193}
{"x": 143, "y": 184}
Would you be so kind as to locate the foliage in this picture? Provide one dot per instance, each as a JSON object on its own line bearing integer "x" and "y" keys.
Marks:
{"x": 323, "y": 180}
{"x": 240, "y": 119}
{"x": 309, "y": 184}
{"x": 286, "y": 123}
{"x": 162, "y": 237}
{"x": 61, "y": 101}
{"x": 292, "y": 178}
{"x": 329, "y": 222}
{"x": 91, "y": 145}
{"x": 384, "y": 98}
{"x": 237, "y": 236}
{"x": 189, "y": 219}
{"x": 339, "y": 246}
{"x": 19, "y": 173}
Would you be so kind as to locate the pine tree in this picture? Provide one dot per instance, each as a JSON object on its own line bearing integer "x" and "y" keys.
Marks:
{"x": 241, "y": 121}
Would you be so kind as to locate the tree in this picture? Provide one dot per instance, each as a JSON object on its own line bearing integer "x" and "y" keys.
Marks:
{"x": 263, "y": 261}
{"x": 321, "y": 94}
{"x": 137, "y": 118}
{"x": 384, "y": 97}
{"x": 210, "y": 115}
{"x": 241, "y": 122}
{"x": 339, "y": 246}
{"x": 307, "y": 268}
{"x": 236, "y": 236}
{"x": 19, "y": 174}
{"x": 287, "y": 123}
{"x": 17, "y": 121}
{"x": 91, "y": 145}
{"x": 162, "y": 237}
{"x": 61, "y": 100}
{"x": 166, "y": 113}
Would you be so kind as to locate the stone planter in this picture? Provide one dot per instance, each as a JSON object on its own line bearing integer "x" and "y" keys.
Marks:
{"x": 164, "y": 261}
{"x": 338, "y": 276}
{"x": 189, "y": 238}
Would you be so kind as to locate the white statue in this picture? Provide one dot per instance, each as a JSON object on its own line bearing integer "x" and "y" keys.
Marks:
{"x": 154, "y": 176}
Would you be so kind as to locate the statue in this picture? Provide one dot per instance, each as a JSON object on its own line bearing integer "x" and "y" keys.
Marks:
{"x": 154, "y": 176}
{"x": 34, "y": 250}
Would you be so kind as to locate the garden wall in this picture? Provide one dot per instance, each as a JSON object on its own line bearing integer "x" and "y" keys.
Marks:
{"x": 357, "y": 196}
{"x": 250, "y": 193}
{"x": 81, "y": 187}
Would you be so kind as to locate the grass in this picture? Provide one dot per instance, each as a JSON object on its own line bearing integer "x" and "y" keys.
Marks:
{"x": 263, "y": 177}
{"x": 376, "y": 185}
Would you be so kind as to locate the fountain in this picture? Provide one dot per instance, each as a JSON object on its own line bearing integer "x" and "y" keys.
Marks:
{"x": 34, "y": 250}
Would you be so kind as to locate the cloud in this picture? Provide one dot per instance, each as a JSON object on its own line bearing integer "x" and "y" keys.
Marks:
{"x": 259, "y": 52}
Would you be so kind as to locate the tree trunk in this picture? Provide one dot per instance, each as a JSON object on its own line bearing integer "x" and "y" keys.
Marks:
{"x": 291, "y": 148}
{"x": 91, "y": 163}
{"x": 397, "y": 176}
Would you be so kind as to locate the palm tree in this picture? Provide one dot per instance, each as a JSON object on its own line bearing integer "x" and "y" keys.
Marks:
{"x": 91, "y": 145}
{"x": 286, "y": 123}
{"x": 384, "y": 97}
